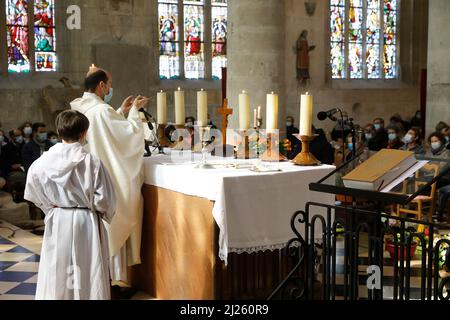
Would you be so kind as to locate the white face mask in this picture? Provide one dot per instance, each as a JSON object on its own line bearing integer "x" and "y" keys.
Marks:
{"x": 408, "y": 138}
{"x": 436, "y": 145}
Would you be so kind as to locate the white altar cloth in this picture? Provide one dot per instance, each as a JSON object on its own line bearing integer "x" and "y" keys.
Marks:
{"x": 252, "y": 209}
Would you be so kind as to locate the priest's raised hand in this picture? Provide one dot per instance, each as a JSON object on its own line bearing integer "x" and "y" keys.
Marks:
{"x": 141, "y": 101}
{"x": 127, "y": 104}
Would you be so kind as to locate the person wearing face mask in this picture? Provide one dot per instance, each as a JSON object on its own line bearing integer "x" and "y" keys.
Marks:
{"x": 412, "y": 142}
{"x": 39, "y": 144}
{"x": 438, "y": 145}
{"x": 118, "y": 139}
{"x": 27, "y": 129}
{"x": 291, "y": 130}
{"x": 13, "y": 165}
{"x": 380, "y": 139}
{"x": 53, "y": 138}
{"x": 394, "y": 140}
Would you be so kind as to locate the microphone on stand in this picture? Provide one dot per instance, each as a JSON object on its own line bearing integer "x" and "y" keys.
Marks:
{"x": 328, "y": 114}
{"x": 149, "y": 117}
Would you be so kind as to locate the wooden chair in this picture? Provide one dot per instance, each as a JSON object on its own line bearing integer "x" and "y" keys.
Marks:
{"x": 419, "y": 201}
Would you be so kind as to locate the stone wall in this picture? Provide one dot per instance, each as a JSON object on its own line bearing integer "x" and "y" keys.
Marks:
{"x": 438, "y": 100}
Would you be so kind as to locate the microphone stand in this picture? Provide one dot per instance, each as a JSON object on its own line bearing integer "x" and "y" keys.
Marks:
{"x": 158, "y": 144}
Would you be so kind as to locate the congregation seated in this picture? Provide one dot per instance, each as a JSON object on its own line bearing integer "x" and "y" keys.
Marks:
{"x": 27, "y": 129}
{"x": 394, "y": 137}
{"x": 12, "y": 165}
{"x": 380, "y": 140}
{"x": 402, "y": 125}
{"x": 412, "y": 142}
{"x": 36, "y": 146}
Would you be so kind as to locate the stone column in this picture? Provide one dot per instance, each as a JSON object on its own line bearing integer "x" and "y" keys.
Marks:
{"x": 256, "y": 54}
{"x": 438, "y": 99}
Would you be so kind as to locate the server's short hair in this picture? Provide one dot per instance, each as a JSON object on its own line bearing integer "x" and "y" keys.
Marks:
{"x": 70, "y": 125}
{"x": 92, "y": 81}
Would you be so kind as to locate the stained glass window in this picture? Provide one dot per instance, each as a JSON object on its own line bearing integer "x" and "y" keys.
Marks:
{"x": 337, "y": 24}
{"x": 44, "y": 35}
{"x": 182, "y": 38}
{"x": 17, "y": 35}
{"x": 169, "y": 47}
{"x": 363, "y": 39}
{"x": 194, "y": 56}
{"x": 219, "y": 37}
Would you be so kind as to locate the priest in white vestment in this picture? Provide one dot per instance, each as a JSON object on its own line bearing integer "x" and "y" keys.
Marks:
{"x": 117, "y": 138}
{"x": 74, "y": 190}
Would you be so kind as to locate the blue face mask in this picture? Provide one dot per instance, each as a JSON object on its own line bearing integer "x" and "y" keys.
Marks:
{"x": 447, "y": 139}
{"x": 2, "y": 139}
{"x": 350, "y": 146}
{"x": 109, "y": 96}
{"x": 369, "y": 136}
{"x": 41, "y": 137}
{"x": 377, "y": 126}
{"x": 54, "y": 141}
{"x": 28, "y": 131}
{"x": 392, "y": 136}
{"x": 19, "y": 139}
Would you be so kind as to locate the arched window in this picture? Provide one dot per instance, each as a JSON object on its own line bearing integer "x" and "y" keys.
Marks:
{"x": 202, "y": 35}
{"x": 30, "y": 28}
{"x": 363, "y": 39}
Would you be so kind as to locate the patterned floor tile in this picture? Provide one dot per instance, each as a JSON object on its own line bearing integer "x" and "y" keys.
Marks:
{"x": 17, "y": 257}
{"x": 34, "y": 258}
{"x": 5, "y": 265}
{"x": 12, "y": 276}
{"x": 7, "y": 247}
{"x": 25, "y": 267}
{"x": 6, "y": 241}
{"x": 23, "y": 289}
{"x": 33, "y": 279}
{"x": 6, "y": 286}
{"x": 19, "y": 249}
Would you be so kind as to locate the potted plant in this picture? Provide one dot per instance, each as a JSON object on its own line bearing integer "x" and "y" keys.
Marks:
{"x": 390, "y": 245}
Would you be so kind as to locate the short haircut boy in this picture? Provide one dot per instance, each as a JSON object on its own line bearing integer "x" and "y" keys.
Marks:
{"x": 71, "y": 125}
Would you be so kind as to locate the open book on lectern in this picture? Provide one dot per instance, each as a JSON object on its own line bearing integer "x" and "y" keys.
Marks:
{"x": 383, "y": 171}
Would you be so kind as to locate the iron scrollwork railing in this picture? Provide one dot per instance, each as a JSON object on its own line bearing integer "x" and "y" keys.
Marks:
{"x": 353, "y": 264}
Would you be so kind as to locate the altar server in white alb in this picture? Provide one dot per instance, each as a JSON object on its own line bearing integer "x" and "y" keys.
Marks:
{"x": 76, "y": 193}
{"x": 118, "y": 140}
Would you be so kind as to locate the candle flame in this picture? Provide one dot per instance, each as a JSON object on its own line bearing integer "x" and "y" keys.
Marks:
{"x": 179, "y": 89}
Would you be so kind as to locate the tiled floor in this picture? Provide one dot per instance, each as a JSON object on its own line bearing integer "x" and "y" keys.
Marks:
{"x": 19, "y": 263}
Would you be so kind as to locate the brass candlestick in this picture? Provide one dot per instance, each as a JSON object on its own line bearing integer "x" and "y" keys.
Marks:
{"x": 163, "y": 141}
{"x": 306, "y": 158}
{"x": 272, "y": 153}
{"x": 181, "y": 143}
{"x": 243, "y": 149}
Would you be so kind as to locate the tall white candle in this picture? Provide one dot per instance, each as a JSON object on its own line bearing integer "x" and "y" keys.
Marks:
{"x": 244, "y": 111}
{"x": 180, "y": 107}
{"x": 255, "y": 118}
{"x": 202, "y": 108}
{"x": 306, "y": 115}
{"x": 162, "y": 107}
{"x": 272, "y": 112}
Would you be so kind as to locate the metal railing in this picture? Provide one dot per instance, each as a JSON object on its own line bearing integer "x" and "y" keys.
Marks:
{"x": 352, "y": 264}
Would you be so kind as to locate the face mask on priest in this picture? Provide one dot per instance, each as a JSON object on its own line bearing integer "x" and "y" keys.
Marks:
{"x": 107, "y": 91}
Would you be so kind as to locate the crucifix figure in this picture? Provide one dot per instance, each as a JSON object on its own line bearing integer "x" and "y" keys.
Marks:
{"x": 225, "y": 112}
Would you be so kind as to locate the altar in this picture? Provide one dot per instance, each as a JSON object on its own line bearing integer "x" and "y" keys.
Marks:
{"x": 218, "y": 233}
